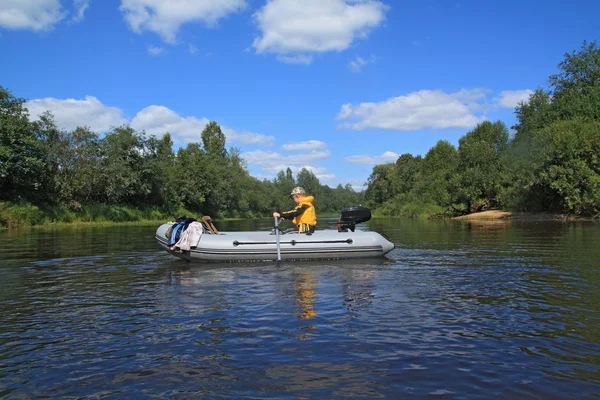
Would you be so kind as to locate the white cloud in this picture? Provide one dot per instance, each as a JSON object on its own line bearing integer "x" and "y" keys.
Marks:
{"x": 387, "y": 157}
{"x": 359, "y": 63}
{"x": 157, "y": 120}
{"x": 156, "y": 51}
{"x": 293, "y": 28}
{"x": 273, "y": 162}
{"x": 192, "y": 49}
{"x": 166, "y": 17}
{"x": 425, "y": 109}
{"x": 80, "y": 7}
{"x": 319, "y": 172}
{"x": 511, "y": 98}
{"x": 154, "y": 120}
{"x": 296, "y": 59}
{"x": 248, "y": 137}
{"x": 71, "y": 113}
{"x": 35, "y": 15}
{"x": 301, "y": 146}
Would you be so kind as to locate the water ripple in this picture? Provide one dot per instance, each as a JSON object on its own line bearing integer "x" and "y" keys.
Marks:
{"x": 475, "y": 314}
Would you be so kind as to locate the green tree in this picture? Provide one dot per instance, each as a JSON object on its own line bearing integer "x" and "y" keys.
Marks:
{"x": 574, "y": 95}
{"x": 437, "y": 174}
{"x": 189, "y": 178}
{"x": 576, "y": 87}
{"x": 125, "y": 174}
{"x": 566, "y": 165}
{"x": 381, "y": 184}
{"x": 213, "y": 140}
{"x": 22, "y": 167}
{"x": 407, "y": 168}
{"x": 161, "y": 161}
{"x": 481, "y": 166}
{"x": 309, "y": 182}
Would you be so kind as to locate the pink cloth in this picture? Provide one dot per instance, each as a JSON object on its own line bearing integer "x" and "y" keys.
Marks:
{"x": 190, "y": 237}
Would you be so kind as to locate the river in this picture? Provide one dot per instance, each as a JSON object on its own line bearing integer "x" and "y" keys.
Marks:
{"x": 456, "y": 310}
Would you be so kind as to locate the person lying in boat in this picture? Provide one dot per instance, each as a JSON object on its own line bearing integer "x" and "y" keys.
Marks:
{"x": 303, "y": 215}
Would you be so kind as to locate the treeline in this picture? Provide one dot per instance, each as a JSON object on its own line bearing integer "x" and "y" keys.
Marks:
{"x": 549, "y": 163}
{"x": 48, "y": 174}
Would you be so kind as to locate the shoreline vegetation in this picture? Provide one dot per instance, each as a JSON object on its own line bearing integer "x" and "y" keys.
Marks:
{"x": 134, "y": 217}
{"x": 547, "y": 167}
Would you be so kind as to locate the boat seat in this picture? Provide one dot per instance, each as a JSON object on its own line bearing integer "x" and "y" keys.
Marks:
{"x": 209, "y": 227}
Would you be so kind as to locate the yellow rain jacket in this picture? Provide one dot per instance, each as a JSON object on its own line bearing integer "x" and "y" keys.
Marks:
{"x": 304, "y": 220}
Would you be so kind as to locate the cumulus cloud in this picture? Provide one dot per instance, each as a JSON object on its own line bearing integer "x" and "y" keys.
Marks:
{"x": 154, "y": 120}
{"x": 426, "y": 109}
{"x": 166, "y": 17}
{"x": 71, "y": 113}
{"x": 157, "y": 120}
{"x": 295, "y": 30}
{"x": 35, "y": 15}
{"x": 303, "y": 146}
{"x": 387, "y": 157}
{"x": 273, "y": 162}
{"x": 511, "y": 98}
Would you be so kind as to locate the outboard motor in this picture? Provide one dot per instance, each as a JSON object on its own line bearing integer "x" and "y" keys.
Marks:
{"x": 352, "y": 216}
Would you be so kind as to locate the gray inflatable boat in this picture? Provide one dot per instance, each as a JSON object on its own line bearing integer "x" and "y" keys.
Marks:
{"x": 343, "y": 243}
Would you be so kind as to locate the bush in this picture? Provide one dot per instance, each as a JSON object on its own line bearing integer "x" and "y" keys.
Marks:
{"x": 21, "y": 215}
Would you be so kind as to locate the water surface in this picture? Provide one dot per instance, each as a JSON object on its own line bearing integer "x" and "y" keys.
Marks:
{"x": 504, "y": 310}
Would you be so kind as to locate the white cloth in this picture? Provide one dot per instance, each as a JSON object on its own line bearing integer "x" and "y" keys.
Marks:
{"x": 190, "y": 237}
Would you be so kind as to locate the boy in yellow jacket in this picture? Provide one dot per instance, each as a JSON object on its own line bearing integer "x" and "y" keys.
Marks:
{"x": 303, "y": 215}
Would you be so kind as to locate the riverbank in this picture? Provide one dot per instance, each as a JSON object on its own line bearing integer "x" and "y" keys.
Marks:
{"x": 495, "y": 215}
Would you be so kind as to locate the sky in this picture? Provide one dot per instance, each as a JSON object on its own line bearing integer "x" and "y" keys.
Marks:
{"x": 334, "y": 86}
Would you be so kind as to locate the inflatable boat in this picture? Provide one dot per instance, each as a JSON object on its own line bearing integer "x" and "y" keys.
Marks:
{"x": 344, "y": 243}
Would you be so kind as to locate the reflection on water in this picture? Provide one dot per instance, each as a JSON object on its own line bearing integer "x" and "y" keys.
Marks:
{"x": 456, "y": 310}
{"x": 305, "y": 295}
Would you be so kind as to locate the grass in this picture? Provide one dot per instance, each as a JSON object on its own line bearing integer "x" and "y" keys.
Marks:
{"x": 25, "y": 215}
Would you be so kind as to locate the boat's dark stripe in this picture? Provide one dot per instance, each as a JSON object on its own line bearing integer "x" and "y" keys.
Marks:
{"x": 295, "y": 242}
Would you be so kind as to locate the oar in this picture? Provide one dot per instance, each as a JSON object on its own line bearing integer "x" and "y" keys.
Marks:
{"x": 277, "y": 239}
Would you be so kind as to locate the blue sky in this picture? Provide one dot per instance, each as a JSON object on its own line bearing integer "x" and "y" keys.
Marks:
{"x": 336, "y": 86}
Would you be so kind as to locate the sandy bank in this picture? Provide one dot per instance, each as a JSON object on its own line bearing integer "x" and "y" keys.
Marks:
{"x": 508, "y": 215}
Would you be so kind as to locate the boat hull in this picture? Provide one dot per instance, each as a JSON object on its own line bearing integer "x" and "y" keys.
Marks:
{"x": 262, "y": 246}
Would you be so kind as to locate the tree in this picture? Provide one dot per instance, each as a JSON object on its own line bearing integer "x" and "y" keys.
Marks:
{"x": 22, "y": 167}
{"x": 438, "y": 170}
{"x": 566, "y": 164}
{"x": 284, "y": 182}
{"x": 381, "y": 184}
{"x": 574, "y": 95}
{"x": 481, "y": 164}
{"x": 213, "y": 140}
{"x": 125, "y": 173}
{"x": 161, "y": 161}
{"x": 407, "y": 168}
{"x": 309, "y": 182}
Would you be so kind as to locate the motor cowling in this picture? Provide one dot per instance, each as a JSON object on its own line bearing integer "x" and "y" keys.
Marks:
{"x": 352, "y": 216}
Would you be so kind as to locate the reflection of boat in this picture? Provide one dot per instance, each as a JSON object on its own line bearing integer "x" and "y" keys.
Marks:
{"x": 345, "y": 242}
